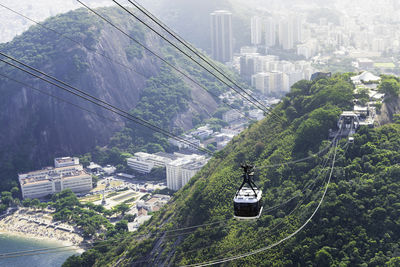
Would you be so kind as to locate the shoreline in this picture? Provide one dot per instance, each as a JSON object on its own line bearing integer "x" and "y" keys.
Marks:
{"x": 71, "y": 246}
{"x": 26, "y": 223}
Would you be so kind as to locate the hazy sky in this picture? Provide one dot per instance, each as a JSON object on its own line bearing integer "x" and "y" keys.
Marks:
{"x": 11, "y": 24}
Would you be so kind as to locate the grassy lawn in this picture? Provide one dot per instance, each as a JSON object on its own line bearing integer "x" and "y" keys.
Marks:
{"x": 388, "y": 65}
{"x": 90, "y": 198}
{"x": 124, "y": 196}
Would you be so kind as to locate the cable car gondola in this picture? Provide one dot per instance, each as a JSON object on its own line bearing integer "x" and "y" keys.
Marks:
{"x": 248, "y": 200}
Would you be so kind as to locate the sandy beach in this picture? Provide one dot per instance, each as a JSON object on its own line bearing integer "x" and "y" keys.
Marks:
{"x": 38, "y": 224}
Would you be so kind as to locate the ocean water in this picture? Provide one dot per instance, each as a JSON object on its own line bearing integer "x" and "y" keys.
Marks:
{"x": 11, "y": 244}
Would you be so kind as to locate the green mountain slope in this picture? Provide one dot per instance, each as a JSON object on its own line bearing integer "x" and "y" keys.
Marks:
{"x": 357, "y": 224}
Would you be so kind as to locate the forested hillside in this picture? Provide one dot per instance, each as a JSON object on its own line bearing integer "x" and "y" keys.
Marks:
{"x": 357, "y": 224}
{"x": 96, "y": 58}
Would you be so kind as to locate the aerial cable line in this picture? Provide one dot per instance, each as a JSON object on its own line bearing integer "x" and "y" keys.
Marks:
{"x": 181, "y": 40}
{"x": 152, "y": 235}
{"x": 57, "y": 98}
{"x": 243, "y": 92}
{"x": 277, "y": 225}
{"x": 299, "y": 160}
{"x": 110, "y": 58}
{"x": 99, "y": 102}
{"x": 228, "y": 259}
{"x": 191, "y": 48}
{"x": 152, "y": 52}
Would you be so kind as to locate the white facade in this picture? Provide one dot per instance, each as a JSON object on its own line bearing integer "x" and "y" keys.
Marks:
{"x": 65, "y": 161}
{"x": 256, "y": 30}
{"x": 261, "y": 81}
{"x": 181, "y": 170}
{"x": 48, "y": 181}
{"x": 221, "y": 36}
{"x": 140, "y": 165}
{"x": 191, "y": 142}
{"x": 270, "y": 32}
{"x": 286, "y": 34}
{"x": 231, "y": 115}
{"x": 144, "y": 162}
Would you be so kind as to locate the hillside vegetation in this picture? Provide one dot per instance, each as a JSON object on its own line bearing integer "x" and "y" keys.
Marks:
{"x": 357, "y": 224}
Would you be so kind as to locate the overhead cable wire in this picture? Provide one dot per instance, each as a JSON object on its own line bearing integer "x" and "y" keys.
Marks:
{"x": 81, "y": 44}
{"x": 151, "y": 51}
{"x": 152, "y": 235}
{"x": 228, "y": 259}
{"x": 277, "y": 225}
{"x": 57, "y": 98}
{"x": 302, "y": 159}
{"x": 241, "y": 91}
{"x": 99, "y": 102}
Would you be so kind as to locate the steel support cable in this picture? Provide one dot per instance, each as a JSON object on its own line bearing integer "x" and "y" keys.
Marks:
{"x": 193, "y": 50}
{"x": 109, "y": 58}
{"x": 302, "y": 159}
{"x": 109, "y": 107}
{"x": 302, "y": 201}
{"x": 103, "y": 242}
{"x": 277, "y": 206}
{"x": 151, "y": 51}
{"x": 275, "y": 227}
{"x": 57, "y": 97}
{"x": 260, "y": 105}
{"x": 100, "y": 103}
{"x": 228, "y": 259}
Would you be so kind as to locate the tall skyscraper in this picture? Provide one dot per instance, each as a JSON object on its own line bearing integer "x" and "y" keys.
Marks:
{"x": 256, "y": 30}
{"x": 270, "y": 32}
{"x": 286, "y": 34}
{"x": 290, "y": 32}
{"x": 221, "y": 35}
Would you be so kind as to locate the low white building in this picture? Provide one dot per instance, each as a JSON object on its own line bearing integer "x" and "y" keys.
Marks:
{"x": 182, "y": 169}
{"x": 51, "y": 180}
{"x": 144, "y": 162}
{"x": 231, "y": 115}
{"x": 65, "y": 161}
{"x": 189, "y": 143}
{"x": 202, "y": 132}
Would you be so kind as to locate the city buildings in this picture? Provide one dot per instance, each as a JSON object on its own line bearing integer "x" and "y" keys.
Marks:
{"x": 68, "y": 174}
{"x": 182, "y": 169}
{"x": 145, "y": 162}
{"x": 231, "y": 116}
{"x": 256, "y": 30}
{"x": 221, "y": 36}
{"x": 270, "y": 32}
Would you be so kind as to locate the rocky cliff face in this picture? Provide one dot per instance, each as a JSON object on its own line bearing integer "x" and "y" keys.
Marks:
{"x": 388, "y": 109}
{"x": 35, "y": 127}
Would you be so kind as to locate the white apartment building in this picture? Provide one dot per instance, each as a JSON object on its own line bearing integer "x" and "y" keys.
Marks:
{"x": 51, "y": 180}
{"x": 261, "y": 82}
{"x": 256, "y": 30}
{"x": 65, "y": 161}
{"x": 221, "y": 35}
{"x": 190, "y": 142}
{"x": 182, "y": 169}
{"x": 231, "y": 115}
{"x": 144, "y": 162}
{"x": 270, "y": 32}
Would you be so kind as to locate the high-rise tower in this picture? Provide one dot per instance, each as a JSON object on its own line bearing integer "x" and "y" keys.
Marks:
{"x": 256, "y": 30}
{"x": 221, "y": 35}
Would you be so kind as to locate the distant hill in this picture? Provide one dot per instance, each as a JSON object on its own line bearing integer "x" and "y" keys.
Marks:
{"x": 38, "y": 127}
{"x": 357, "y": 224}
